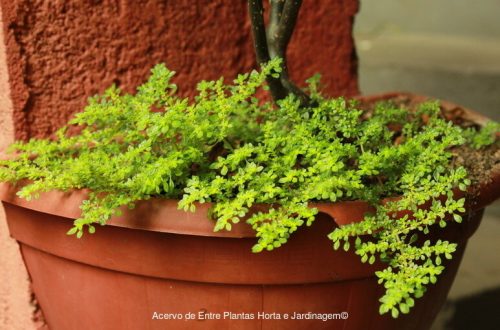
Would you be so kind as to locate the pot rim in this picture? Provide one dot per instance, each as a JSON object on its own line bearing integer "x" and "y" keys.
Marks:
{"x": 151, "y": 214}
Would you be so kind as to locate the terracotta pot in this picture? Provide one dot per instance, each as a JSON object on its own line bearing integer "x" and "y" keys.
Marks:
{"x": 157, "y": 259}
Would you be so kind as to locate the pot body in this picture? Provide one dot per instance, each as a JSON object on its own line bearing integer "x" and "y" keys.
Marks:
{"x": 125, "y": 278}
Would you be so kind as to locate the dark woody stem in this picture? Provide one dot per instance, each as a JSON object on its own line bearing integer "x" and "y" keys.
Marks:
{"x": 274, "y": 42}
{"x": 274, "y": 21}
{"x": 260, "y": 44}
{"x": 287, "y": 22}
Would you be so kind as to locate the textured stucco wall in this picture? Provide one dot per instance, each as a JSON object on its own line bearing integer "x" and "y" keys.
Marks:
{"x": 6, "y": 122}
{"x": 60, "y": 52}
{"x": 15, "y": 308}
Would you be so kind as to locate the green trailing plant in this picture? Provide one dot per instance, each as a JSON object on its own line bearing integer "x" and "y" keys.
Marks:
{"x": 231, "y": 149}
{"x": 426, "y": 175}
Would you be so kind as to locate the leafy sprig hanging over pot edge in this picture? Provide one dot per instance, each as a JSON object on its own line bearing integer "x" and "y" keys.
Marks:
{"x": 229, "y": 148}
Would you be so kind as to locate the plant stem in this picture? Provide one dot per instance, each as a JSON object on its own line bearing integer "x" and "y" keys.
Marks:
{"x": 274, "y": 42}
{"x": 274, "y": 21}
{"x": 256, "y": 11}
{"x": 287, "y": 22}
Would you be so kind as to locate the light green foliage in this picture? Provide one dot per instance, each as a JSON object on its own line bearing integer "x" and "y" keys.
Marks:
{"x": 484, "y": 137}
{"x": 231, "y": 149}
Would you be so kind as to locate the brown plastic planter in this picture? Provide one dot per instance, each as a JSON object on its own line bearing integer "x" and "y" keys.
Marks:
{"x": 156, "y": 258}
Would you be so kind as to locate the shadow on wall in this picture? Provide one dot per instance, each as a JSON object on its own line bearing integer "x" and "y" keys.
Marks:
{"x": 479, "y": 312}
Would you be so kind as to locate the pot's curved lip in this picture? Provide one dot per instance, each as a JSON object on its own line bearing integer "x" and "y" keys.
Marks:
{"x": 152, "y": 214}
{"x": 162, "y": 215}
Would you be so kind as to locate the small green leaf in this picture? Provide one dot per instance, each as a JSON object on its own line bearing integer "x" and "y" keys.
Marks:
{"x": 404, "y": 308}
{"x": 72, "y": 231}
{"x": 438, "y": 260}
{"x": 257, "y": 248}
{"x": 358, "y": 241}
{"x": 383, "y": 309}
{"x": 413, "y": 238}
{"x": 419, "y": 293}
{"x": 372, "y": 260}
